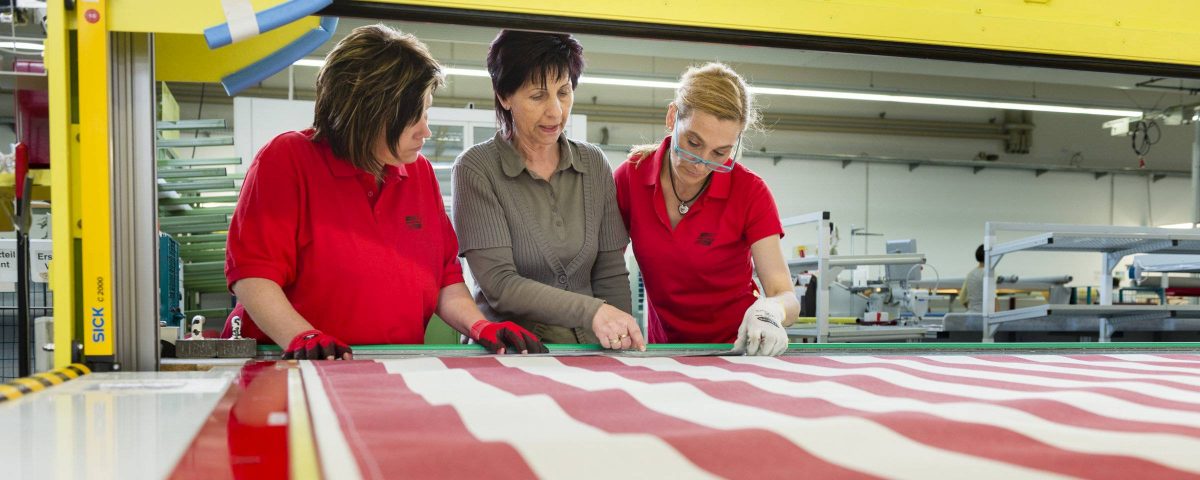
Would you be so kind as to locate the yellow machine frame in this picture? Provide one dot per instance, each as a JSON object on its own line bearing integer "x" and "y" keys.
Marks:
{"x": 1156, "y": 32}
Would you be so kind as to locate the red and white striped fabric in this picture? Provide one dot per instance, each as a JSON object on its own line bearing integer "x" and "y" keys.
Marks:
{"x": 941, "y": 416}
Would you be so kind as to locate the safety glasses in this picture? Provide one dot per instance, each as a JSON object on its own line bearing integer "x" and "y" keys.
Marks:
{"x": 719, "y": 167}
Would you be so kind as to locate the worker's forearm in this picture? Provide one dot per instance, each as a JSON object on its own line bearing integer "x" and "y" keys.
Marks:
{"x": 457, "y": 308}
{"x": 270, "y": 309}
{"x": 513, "y": 296}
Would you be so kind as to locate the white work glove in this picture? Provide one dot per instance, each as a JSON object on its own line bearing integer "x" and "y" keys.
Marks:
{"x": 762, "y": 331}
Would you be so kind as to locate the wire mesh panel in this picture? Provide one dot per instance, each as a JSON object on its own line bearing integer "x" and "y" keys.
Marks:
{"x": 41, "y": 301}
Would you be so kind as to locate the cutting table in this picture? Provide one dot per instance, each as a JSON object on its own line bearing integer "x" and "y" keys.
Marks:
{"x": 1114, "y": 410}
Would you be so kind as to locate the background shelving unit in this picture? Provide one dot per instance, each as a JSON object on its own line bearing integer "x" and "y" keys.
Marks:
{"x": 1113, "y": 243}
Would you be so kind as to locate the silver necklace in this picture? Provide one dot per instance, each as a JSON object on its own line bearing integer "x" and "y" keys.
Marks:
{"x": 684, "y": 204}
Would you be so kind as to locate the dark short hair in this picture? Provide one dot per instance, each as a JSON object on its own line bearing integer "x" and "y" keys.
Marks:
{"x": 374, "y": 81}
{"x": 979, "y": 254}
{"x": 518, "y": 56}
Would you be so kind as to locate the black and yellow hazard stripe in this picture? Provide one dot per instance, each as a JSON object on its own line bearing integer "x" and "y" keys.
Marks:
{"x": 38, "y": 382}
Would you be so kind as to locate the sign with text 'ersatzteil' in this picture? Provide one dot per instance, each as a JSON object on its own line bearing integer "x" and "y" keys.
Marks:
{"x": 39, "y": 260}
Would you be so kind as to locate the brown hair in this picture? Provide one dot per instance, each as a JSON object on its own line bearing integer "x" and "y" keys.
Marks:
{"x": 374, "y": 81}
{"x": 518, "y": 56}
{"x": 713, "y": 88}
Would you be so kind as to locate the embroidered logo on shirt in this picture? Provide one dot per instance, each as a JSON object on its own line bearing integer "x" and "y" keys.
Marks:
{"x": 413, "y": 221}
{"x": 705, "y": 239}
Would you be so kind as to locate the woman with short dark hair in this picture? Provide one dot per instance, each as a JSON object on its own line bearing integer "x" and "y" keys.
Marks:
{"x": 536, "y": 211}
{"x": 340, "y": 236}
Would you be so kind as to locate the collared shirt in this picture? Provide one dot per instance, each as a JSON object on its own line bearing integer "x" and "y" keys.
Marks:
{"x": 698, "y": 275}
{"x": 359, "y": 260}
{"x": 546, "y": 253}
{"x": 556, "y": 201}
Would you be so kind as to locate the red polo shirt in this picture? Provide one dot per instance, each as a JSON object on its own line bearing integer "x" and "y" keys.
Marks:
{"x": 698, "y": 276}
{"x": 359, "y": 262}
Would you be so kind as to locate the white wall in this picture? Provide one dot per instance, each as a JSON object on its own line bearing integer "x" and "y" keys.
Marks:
{"x": 270, "y": 117}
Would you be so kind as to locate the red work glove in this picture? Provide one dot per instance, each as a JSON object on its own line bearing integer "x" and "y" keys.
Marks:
{"x": 502, "y": 337}
{"x": 316, "y": 345}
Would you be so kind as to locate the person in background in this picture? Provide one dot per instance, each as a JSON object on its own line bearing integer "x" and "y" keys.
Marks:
{"x": 698, "y": 219}
{"x": 971, "y": 293}
{"x": 340, "y": 236}
{"x": 535, "y": 210}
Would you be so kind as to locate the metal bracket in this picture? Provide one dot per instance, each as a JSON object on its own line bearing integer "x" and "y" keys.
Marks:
{"x": 995, "y": 261}
{"x": 989, "y": 331}
{"x": 1106, "y": 330}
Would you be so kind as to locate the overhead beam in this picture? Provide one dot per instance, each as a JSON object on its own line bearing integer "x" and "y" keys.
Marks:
{"x": 1038, "y": 34}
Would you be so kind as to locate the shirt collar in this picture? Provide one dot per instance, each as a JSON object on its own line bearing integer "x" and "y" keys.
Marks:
{"x": 341, "y": 167}
{"x": 512, "y": 163}
{"x": 650, "y": 167}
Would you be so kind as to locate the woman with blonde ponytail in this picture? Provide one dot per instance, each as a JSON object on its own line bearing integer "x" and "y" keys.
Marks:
{"x": 697, "y": 218}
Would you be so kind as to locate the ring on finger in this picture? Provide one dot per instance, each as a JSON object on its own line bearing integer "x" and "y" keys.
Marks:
{"x": 614, "y": 342}
{"x": 622, "y": 336}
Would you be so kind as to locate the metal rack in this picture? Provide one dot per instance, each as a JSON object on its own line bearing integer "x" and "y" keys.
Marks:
{"x": 196, "y": 212}
{"x": 852, "y": 261}
{"x": 41, "y": 304}
{"x": 823, "y": 262}
{"x": 1112, "y": 242}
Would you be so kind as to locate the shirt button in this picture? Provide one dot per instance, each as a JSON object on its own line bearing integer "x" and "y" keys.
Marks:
{"x": 562, "y": 279}
{"x": 370, "y": 194}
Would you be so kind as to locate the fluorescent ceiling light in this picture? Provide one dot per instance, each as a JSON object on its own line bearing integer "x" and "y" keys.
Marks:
{"x": 628, "y": 82}
{"x": 1178, "y": 225}
{"x": 465, "y": 72}
{"x": 309, "y": 62}
{"x": 831, "y": 94}
{"x": 951, "y": 102}
{"x": 23, "y": 46}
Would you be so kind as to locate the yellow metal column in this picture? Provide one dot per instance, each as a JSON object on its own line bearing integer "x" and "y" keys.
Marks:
{"x": 62, "y": 277}
{"x": 96, "y": 192}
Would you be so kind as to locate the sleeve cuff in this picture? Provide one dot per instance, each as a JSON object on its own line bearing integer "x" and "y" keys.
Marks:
{"x": 232, "y": 275}
{"x": 451, "y": 278}
{"x": 588, "y": 310}
{"x": 754, "y": 236}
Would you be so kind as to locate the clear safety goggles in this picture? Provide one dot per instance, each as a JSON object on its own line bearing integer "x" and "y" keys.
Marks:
{"x": 720, "y": 167}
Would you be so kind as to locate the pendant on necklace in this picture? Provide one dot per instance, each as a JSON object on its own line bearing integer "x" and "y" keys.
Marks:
{"x": 683, "y": 208}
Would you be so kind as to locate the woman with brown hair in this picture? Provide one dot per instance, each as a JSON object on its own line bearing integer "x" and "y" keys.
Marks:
{"x": 340, "y": 236}
{"x": 536, "y": 211}
{"x": 697, "y": 218}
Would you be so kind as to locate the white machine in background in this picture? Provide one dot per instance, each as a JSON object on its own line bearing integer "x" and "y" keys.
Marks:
{"x": 897, "y": 292}
{"x": 889, "y": 297}
{"x": 890, "y": 300}
{"x": 1153, "y": 270}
